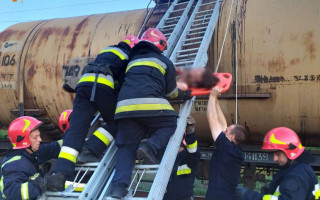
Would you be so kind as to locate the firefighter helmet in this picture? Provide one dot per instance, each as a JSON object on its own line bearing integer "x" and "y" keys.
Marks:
{"x": 19, "y": 130}
{"x": 283, "y": 139}
{"x": 131, "y": 40}
{"x": 156, "y": 37}
{"x": 64, "y": 120}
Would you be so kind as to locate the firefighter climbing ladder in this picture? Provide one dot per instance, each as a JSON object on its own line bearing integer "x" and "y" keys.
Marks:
{"x": 188, "y": 42}
{"x": 190, "y": 51}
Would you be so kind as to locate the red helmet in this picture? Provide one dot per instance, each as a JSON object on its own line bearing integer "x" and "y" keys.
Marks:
{"x": 131, "y": 40}
{"x": 64, "y": 120}
{"x": 19, "y": 130}
{"x": 283, "y": 139}
{"x": 156, "y": 37}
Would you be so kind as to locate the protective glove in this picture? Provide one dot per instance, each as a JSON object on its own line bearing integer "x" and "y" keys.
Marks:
{"x": 184, "y": 95}
{"x": 41, "y": 183}
{"x": 191, "y": 125}
{"x": 71, "y": 84}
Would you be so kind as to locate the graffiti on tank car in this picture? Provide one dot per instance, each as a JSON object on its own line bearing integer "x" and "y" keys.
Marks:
{"x": 8, "y": 60}
{"x": 7, "y": 44}
{"x": 75, "y": 67}
{"x": 73, "y": 71}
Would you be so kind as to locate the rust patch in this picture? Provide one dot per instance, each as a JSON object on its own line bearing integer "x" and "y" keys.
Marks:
{"x": 66, "y": 31}
{"x": 86, "y": 45}
{"x": 6, "y": 34}
{"x": 84, "y": 22}
{"x": 277, "y": 64}
{"x": 310, "y": 46}
{"x": 31, "y": 72}
{"x": 295, "y": 61}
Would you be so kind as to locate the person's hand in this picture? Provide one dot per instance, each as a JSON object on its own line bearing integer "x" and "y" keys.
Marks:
{"x": 191, "y": 125}
{"x": 41, "y": 183}
{"x": 216, "y": 91}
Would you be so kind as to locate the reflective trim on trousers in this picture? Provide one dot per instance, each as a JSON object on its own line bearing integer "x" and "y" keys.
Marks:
{"x": 192, "y": 148}
{"x": 117, "y": 51}
{"x": 139, "y": 104}
{"x": 102, "y": 79}
{"x": 270, "y": 197}
{"x": 183, "y": 169}
{"x": 316, "y": 191}
{"x": 103, "y": 135}
{"x": 2, "y": 187}
{"x": 69, "y": 154}
{"x": 24, "y": 191}
{"x": 150, "y": 62}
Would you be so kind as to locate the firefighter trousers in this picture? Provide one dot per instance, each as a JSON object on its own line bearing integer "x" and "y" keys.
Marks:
{"x": 82, "y": 115}
{"x": 131, "y": 132}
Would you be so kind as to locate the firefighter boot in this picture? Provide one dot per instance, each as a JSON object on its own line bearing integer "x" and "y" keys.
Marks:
{"x": 87, "y": 156}
{"x": 146, "y": 154}
{"x": 56, "y": 182}
{"x": 118, "y": 190}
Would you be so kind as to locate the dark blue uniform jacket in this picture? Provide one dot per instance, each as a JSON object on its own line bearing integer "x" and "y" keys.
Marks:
{"x": 19, "y": 169}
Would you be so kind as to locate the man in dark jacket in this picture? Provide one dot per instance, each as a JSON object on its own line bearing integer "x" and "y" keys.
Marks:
{"x": 295, "y": 180}
{"x": 21, "y": 175}
{"x": 225, "y": 164}
{"x": 95, "y": 91}
{"x": 143, "y": 108}
{"x": 180, "y": 186}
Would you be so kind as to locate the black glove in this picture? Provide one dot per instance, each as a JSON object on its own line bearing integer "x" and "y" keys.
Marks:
{"x": 184, "y": 95}
{"x": 191, "y": 125}
{"x": 41, "y": 183}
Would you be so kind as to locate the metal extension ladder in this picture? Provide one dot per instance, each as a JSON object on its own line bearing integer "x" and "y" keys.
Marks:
{"x": 100, "y": 172}
{"x": 195, "y": 39}
{"x": 191, "y": 50}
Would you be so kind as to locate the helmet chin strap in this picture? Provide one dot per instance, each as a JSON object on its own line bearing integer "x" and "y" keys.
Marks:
{"x": 289, "y": 162}
{"x": 30, "y": 148}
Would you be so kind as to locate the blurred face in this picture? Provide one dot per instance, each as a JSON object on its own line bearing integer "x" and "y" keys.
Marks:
{"x": 193, "y": 76}
{"x": 229, "y": 134}
{"x": 35, "y": 140}
{"x": 280, "y": 158}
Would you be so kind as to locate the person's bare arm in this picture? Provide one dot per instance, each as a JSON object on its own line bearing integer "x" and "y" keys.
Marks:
{"x": 212, "y": 113}
{"x": 221, "y": 117}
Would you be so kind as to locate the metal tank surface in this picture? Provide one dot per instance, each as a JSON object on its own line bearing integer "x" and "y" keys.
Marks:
{"x": 278, "y": 68}
{"x": 37, "y": 57}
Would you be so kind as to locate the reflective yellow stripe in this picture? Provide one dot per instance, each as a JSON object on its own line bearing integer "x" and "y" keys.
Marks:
{"x": 140, "y": 107}
{"x": 122, "y": 55}
{"x": 316, "y": 191}
{"x": 60, "y": 142}
{"x": 103, "y": 135}
{"x": 79, "y": 188}
{"x": 99, "y": 80}
{"x": 11, "y": 160}
{"x": 277, "y": 192}
{"x": 192, "y": 148}
{"x": 269, "y": 197}
{"x": 173, "y": 94}
{"x": 24, "y": 191}
{"x": 274, "y": 140}
{"x": 2, "y": 187}
{"x": 147, "y": 63}
{"x": 34, "y": 176}
{"x": 69, "y": 154}
{"x": 183, "y": 169}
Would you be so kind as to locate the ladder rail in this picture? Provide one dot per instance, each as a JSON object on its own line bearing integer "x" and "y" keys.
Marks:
{"x": 202, "y": 56}
{"x": 161, "y": 180}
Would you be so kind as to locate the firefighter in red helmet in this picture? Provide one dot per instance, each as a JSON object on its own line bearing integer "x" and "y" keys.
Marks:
{"x": 20, "y": 172}
{"x": 295, "y": 180}
{"x": 143, "y": 107}
{"x": 96, "y": 90}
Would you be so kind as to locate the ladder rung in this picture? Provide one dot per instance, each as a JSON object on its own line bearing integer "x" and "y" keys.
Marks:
{"x": 196, "y": 33}
{"x": 187, "y": 50}
{"x": 182, "y": 63}
{"x": 205, "y": 4}
{"x": 94, "y": 164}
{"x": 197, "y": 38}
{"x": 198, "y": 20}
{"x": 168, "y": 26}
{"x": 195, "y": 29}
{"x": 202, "y": 24}
{"x": 204, "y": 11}
{"x": 174, "y": 11}
{"x": 186, "y": 55}
{"x": 191, "y": 43}
{"x": 146, "y": 166}
{"x": 171, "y": 18}
{"x": 179, "y": 4}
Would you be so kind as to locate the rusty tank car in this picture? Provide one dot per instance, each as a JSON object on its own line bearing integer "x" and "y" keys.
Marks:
{"x": 276, "y": 44}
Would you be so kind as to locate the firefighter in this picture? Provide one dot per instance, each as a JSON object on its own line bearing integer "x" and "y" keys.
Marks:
{"x": 225, "y": 164}
{"x": 180, "y": 186}
{"x": 143, "y": 108}
{"x": 95, "y": 91}
{"x": 295, "y": 180}
{"x": 21, "y": 175}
